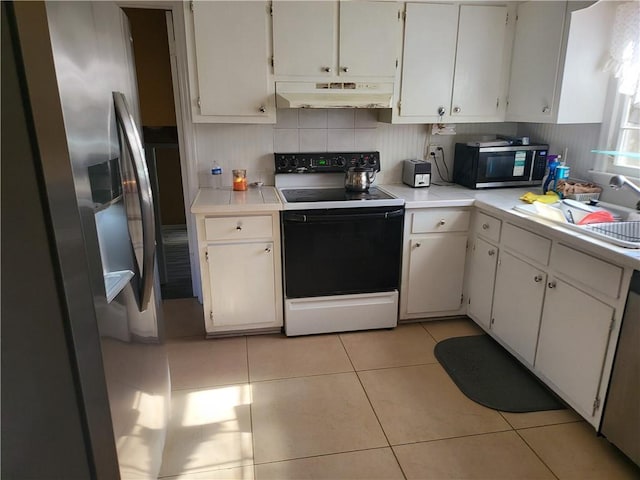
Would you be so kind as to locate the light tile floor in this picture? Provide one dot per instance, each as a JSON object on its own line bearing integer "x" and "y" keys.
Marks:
{"x": 365, "y": 405}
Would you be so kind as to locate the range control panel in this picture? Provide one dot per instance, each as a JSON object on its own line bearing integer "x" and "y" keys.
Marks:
{"x": 326, "y": 162}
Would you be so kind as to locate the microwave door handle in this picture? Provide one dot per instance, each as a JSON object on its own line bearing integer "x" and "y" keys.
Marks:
{"x": 134, "y": 145}
{"x": 533, "y": 164}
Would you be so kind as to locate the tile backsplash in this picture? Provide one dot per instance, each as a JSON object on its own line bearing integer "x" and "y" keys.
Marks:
{"x": 320, "y": 130}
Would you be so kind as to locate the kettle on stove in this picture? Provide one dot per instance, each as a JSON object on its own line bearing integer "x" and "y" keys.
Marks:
{"x": 359, "y": 179}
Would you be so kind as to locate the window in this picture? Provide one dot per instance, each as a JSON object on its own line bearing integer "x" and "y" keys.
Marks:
{"x": 623, "y": 129}
{"x": 628, "y": 134}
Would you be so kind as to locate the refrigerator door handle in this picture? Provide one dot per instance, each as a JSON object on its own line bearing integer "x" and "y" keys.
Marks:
{"x": 134, "y": 145}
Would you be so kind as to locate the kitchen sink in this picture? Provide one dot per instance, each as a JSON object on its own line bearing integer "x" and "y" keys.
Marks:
{"x": 624, "y": 234}
{"x": 621, "y": 233}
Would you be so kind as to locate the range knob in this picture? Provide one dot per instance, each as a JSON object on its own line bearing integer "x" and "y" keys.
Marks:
{"x": 339, "y": 161}
{"x": 371, "y": 160}
{"x": 282, "y": 161}
{"x": 362, "y": 161}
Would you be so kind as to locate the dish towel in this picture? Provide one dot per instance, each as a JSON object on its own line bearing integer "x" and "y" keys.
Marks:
{"x": 549, "y": 197}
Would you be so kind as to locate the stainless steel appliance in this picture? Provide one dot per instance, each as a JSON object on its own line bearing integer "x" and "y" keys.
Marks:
{"x": 416, "y": 173}
{"x": 499, "y": 164}
{"x": 341, "y": 249}
{"x": 621, "y": 419}
{"x": 78, "y": 92}
{"x": 359, "y": 179}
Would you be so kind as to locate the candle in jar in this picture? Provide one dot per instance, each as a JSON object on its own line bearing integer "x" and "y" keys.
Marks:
{"x": 240, "y": 180}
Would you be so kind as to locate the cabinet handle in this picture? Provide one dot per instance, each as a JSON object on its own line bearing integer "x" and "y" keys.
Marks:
{"x": 262, "y": 109}
{"x": 327, "y": 69}
{"x": 485, "y": 226}
{"x": 552, "y": 284}
{"x": 492, "y": 252}
{"x": 537, "y": 278}
{"x": 442, "y": 222}
{"x": 345, "y": 69}
{"x": 441, "y": 111}
{"x": 456, "y": 109}
{"x": 418, "y": 244}
{"x": 267, "y": 250}
{"x": 546, "y": 109}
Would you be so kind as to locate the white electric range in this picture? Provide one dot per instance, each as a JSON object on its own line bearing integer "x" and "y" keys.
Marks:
{"x": 342, "y": 250}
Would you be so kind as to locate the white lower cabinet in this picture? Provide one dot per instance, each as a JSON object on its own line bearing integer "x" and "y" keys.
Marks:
{"x": 435, "y": 244}
{"x": 242, "y": 279}
{"x": 556, "y": 308}
{"x": 517, "y": 305}
{"x": 573, "y": 343}
{"x": 436, "y": 273}
{"x": 482, "y": 274}
{"x": 240, "y": 271}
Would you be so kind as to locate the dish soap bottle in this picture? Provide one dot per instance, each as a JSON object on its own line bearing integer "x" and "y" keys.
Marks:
{"x": 551, "y": 175}
{"x": 562, "y": 173}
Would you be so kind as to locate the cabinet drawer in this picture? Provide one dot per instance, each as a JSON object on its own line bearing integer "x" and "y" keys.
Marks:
{"x": 528, "y": 244}
{"x": 486, "y": 226}
{"x": 440, "y": 220}
{"x": 587, "y": 270}
{"x": 237, "y": 228}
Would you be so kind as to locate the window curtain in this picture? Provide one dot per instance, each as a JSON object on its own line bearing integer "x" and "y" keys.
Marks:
{"x": 624, "y": 52}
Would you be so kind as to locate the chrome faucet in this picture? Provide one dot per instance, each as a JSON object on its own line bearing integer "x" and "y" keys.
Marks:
{"x": 618, "y": 181}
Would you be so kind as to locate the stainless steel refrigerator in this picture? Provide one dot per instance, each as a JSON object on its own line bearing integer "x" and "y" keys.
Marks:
{"x": 85, "y": 378}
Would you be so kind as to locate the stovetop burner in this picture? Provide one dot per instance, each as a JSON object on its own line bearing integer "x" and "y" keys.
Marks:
{"x": 332, "y": 195}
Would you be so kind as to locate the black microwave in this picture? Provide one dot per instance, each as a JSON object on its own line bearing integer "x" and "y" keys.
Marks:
{"x": 477, "y": 166}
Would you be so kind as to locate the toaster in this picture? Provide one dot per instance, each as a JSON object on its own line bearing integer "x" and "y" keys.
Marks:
{"x": 416, "y": 173}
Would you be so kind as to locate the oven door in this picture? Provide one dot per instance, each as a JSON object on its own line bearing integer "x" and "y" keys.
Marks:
{"x": 495, "y": 166}
{"x": 342, "y": 251}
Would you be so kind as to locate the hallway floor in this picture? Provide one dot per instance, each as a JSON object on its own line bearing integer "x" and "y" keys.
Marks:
{"x": 367, "y": 405}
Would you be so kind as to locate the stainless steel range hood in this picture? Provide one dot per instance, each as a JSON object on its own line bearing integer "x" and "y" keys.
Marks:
{"x": 333, "y": 95}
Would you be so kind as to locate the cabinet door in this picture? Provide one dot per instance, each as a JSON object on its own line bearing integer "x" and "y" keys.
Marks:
{"x": 369, "y": 34}
{"x": 574, "y": 337}
{"x": 428, "y": 59}
{"x": 242, "y": 280}
{"x": 517, "y": 305}
{"x": 436, "y": 271}
{"x": 477, "y": 85}
{"x": 536, "y": 57}
{"x": 232, "y": 58}
{"x": 482, "y": 278}
{"x": 304, "y": 38}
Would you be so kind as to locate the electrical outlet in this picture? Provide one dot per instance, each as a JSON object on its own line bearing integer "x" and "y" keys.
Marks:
{"x": 433, "y": 149}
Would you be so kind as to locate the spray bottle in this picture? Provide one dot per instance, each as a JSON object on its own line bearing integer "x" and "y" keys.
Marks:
{"x": 553, "y": 162}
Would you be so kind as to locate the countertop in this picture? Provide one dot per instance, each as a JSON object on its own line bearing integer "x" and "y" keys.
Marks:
{"x": 498, "y": 201}
{"x": 226, "y": 200}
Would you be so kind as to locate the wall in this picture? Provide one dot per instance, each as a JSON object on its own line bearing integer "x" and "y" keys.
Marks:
{"x": 579, "y": 139}
{"x": 320, "y": 130}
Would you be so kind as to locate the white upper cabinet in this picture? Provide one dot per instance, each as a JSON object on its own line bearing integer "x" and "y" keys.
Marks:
{"x": 480, "y": 66}
{"x": 556, "y": 74}
{"x": 427, "y": 68}
{"x": 304, "y": 38}
{"x": 454, "y": 64}
{"x": 229, "y": 50}
{"x": 328, "y": 39}
{"x": 369, "y": 39}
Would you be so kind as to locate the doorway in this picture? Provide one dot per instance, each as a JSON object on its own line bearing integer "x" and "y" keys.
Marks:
{"x": 162, "y": 149}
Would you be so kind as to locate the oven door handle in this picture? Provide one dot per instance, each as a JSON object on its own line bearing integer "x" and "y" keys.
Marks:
{"x": 349, "y": 217}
